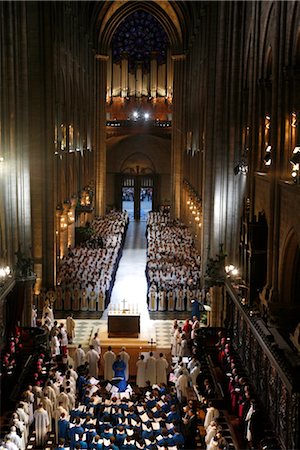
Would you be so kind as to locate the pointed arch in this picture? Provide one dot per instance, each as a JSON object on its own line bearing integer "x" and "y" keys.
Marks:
{"x": 290, "y": 269}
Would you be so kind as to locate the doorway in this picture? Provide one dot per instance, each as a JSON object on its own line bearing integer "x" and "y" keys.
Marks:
{"x": 146, "y": 197}
{"x": 137, "y": 195}
{"x": 128, "y": 201}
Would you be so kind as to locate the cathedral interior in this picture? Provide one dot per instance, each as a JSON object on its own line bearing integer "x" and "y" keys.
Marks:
{"x": 194, "y": 104}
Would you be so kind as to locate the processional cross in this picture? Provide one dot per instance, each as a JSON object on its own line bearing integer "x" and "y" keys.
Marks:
{"x": 151, "y": 342}
{"x": 124, "y": 303}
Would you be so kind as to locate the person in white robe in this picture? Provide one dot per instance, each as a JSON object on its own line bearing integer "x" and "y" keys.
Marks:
{"x": 76, "y": 299}
{"x": 49, "y": 407}
{"x": 152, "y": 298}
{"x": 9, "y": 445}
{"x": 93, "y": 298}
{"x": 171, "y": 303}
{"x": 125, "y": 357}
{"x": 79, "y": 357}
{"x": 181, "y": 386}
{"x": 84, "y": 300}
{"x": 162, "y": 301}
{"x": 24, "y": 417}
{"x": 14, "y": 437}
{"x": 96, "y": 343}
{"x": 194, "y": 374}
{"x": 33, "y": 316}
{"x": 151, "y": 369}
{"x": 101, "y": 298}
{"x": 162, "y": 366}
{"x": 41, "y": 424}
{"x": 180, "y": 302}
{"x": 141, "y": 372}
{"x": 50, "y": 392}
{"x": 212, "y": 414}
{"x": 184, "y": 350}
{"x": 70, "y": 326}
{"x": 47, "y": 309}
{"x": 92, "y": 358}
{"x": 63, "y": 399}
{"x": 55, "y": 345}
{"x": 22, "y": 432}
{"x": 109, "y": 358}
{"x": 28, "y": 396}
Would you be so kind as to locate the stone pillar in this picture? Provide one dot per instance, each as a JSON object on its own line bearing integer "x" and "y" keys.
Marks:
{"x": 100, "y": 135}
{"x": 178, "y": 135}
{"x": 109, "y": 77}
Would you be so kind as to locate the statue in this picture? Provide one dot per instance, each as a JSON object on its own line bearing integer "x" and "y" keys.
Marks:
{"x": 24, "y": 264}
{"x": 215, "y": 273}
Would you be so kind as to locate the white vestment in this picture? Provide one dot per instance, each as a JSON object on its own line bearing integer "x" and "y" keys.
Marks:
{"x": 79, "y": 357}
{"x": 151, "y": 370}
{"x": 96, "y": 345}
{"x": 70, "y": 326}
{"x": 141, "y": 373}
{"x": 41, "y": 423}
{"x": 161, "y": 370}
{"x": 108, "y": 358}
{"x": 211, "y": 414}
{"x": 181, "y": 386}
{"x": 92, "y": 358}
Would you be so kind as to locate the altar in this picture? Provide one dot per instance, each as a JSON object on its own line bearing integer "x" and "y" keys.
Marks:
{"x": 123, "y": 324}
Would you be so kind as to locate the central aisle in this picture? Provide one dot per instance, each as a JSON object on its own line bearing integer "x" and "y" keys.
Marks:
{"x": 131, "y": 284}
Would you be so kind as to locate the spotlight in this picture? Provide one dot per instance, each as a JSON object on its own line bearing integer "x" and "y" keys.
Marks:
{"x": 146, "y": 116}
{"x": 295, "y": 159}
{"x": 267, "y": 157}
{"x": 135, "y": 114}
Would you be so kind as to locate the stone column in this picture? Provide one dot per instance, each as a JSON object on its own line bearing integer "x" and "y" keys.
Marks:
{"x": 178, "y": 134}
{"x": 100, "y": 135}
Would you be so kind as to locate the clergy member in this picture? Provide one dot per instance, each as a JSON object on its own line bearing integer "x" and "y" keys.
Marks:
{"x": 79, "y": 357}
{"x": 41, "y": 424}
{"x": 108, "y": 358}
{"x": 161, "y": 369}
{"x": 92, "y": 358}
{"x": 151, "y": 369}
{"x": 70, "y": 326}
{"x": 141, "y": 372}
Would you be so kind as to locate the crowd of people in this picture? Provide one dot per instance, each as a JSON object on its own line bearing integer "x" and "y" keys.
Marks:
{"x": 86, "y": 273}
{"x": 243, "y": 402}
{"x": 85, "y": 411}
{"x": 173, "y": 265}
